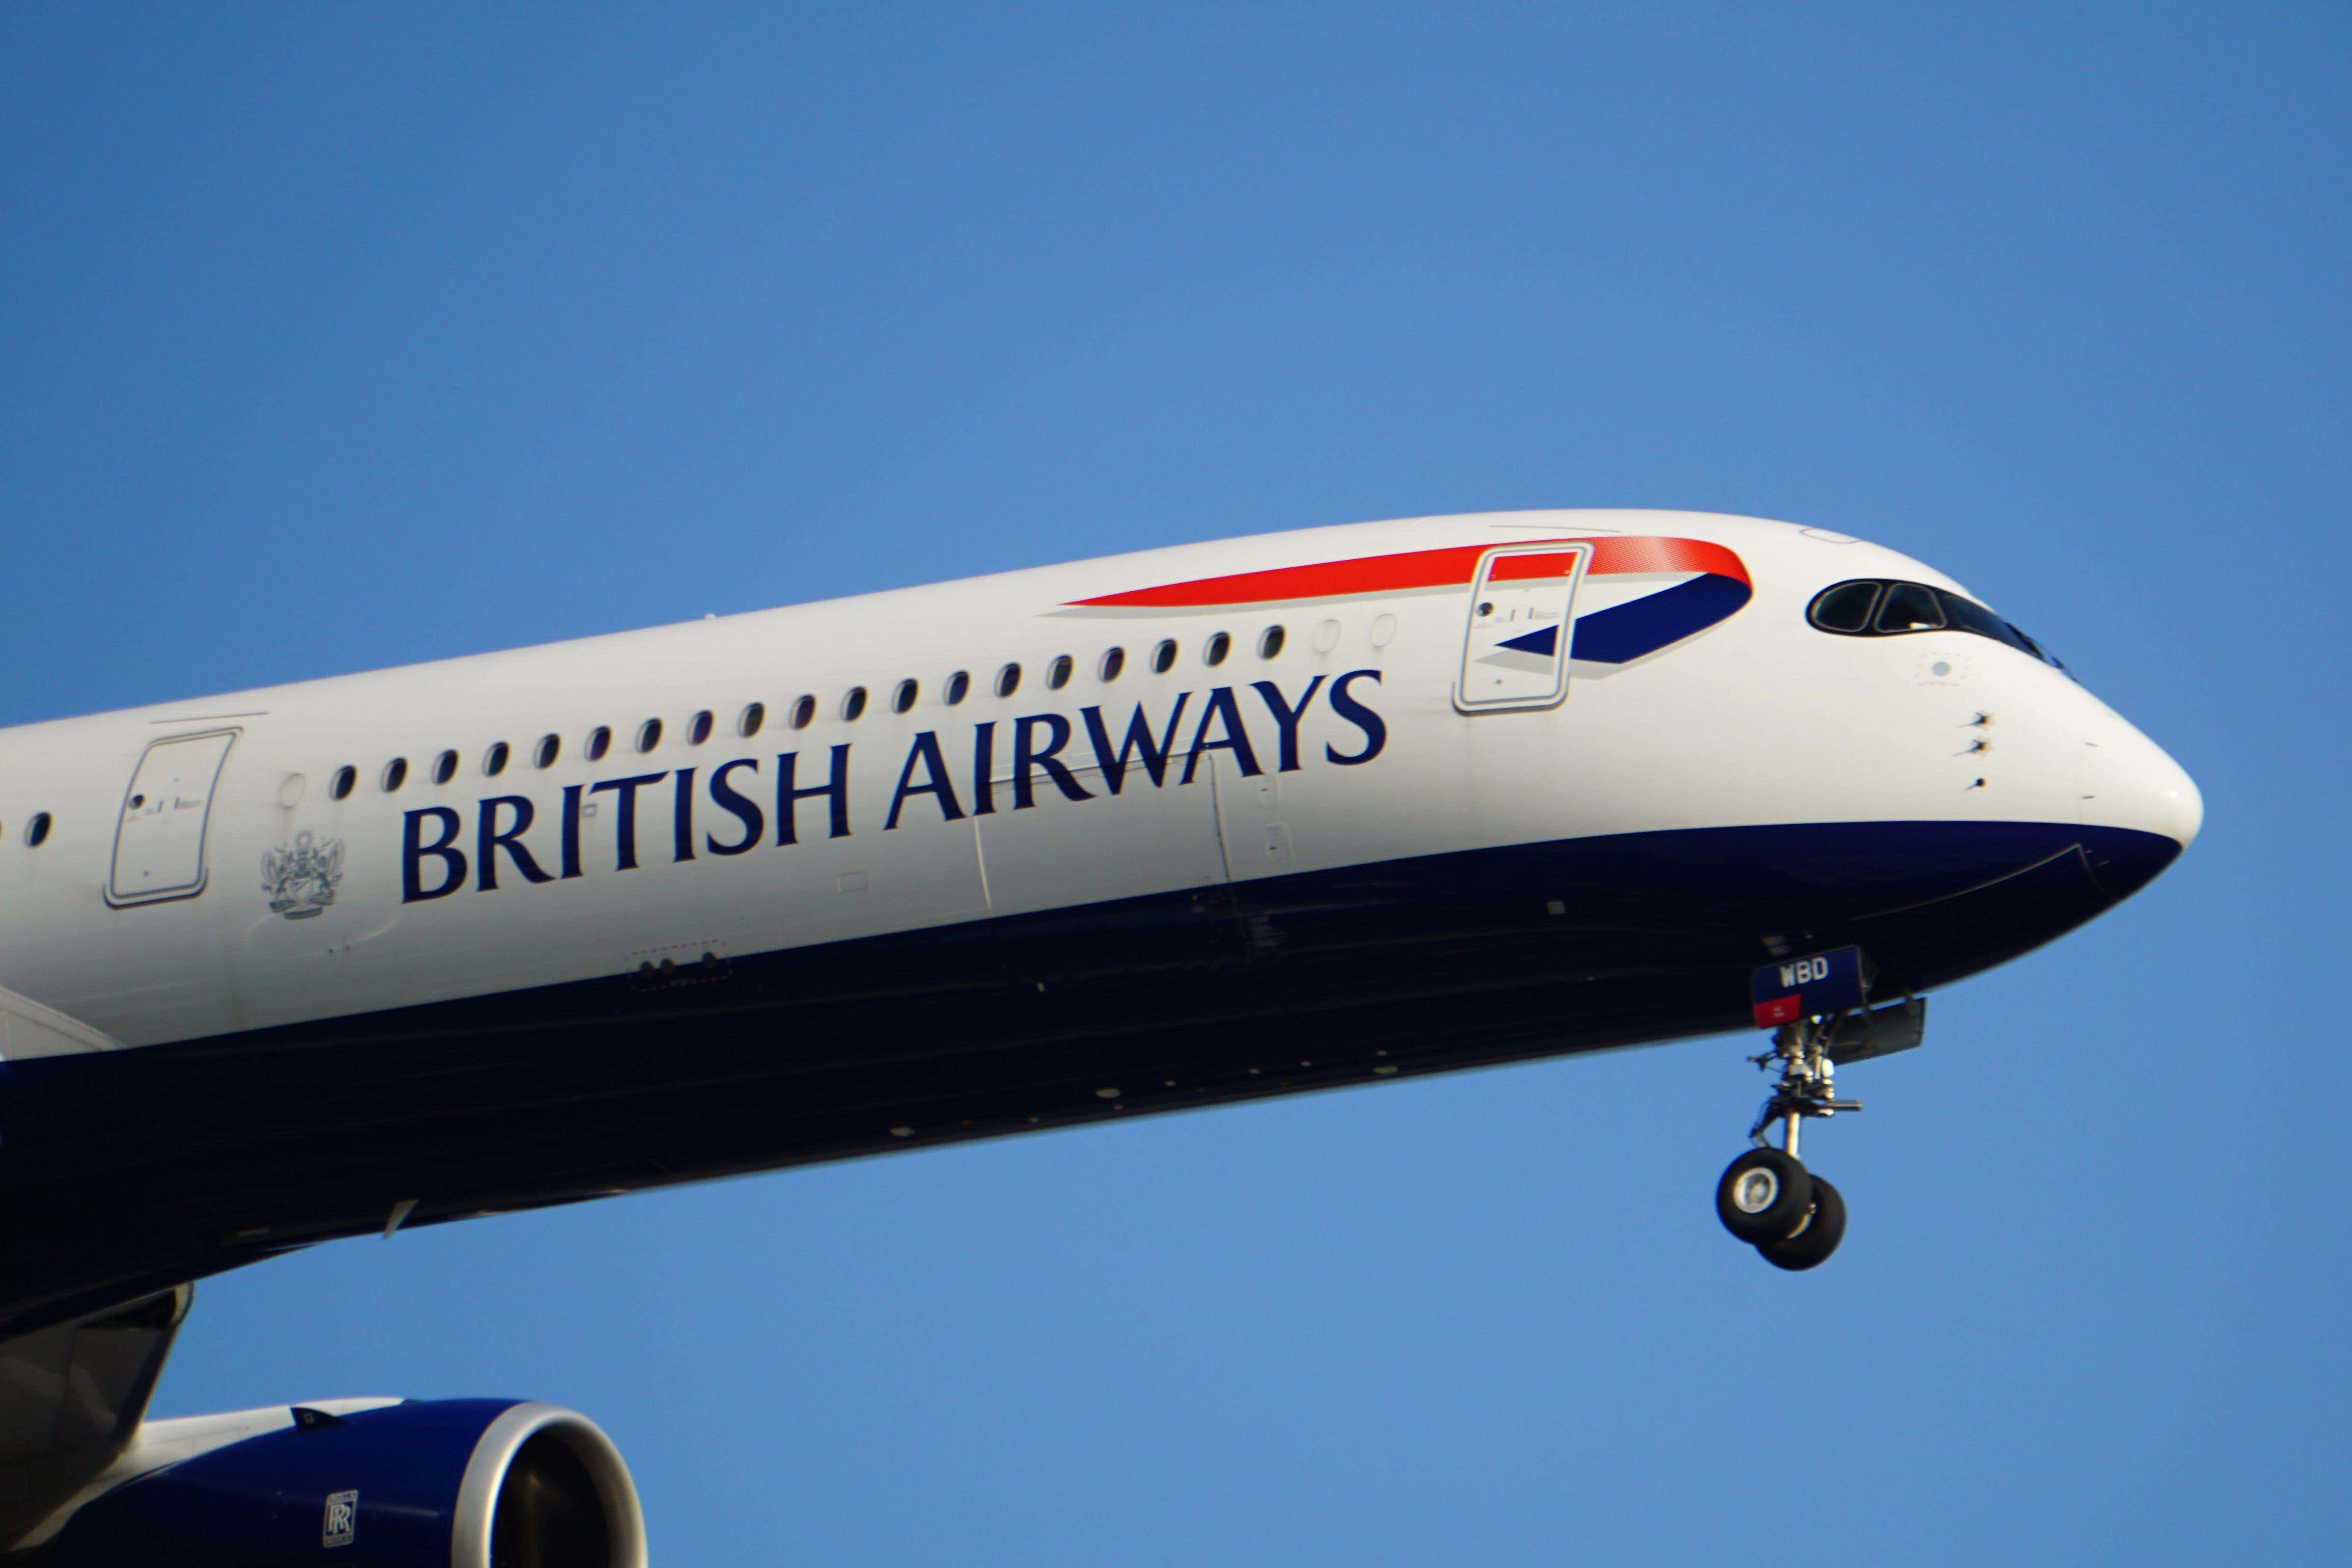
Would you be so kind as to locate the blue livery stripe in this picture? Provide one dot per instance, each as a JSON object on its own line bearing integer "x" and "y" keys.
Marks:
{"x": 1542, "y": 642}
{"x": 1628, "y": 632}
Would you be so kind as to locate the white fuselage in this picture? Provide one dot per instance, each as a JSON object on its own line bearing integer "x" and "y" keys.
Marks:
{"x": 1760, "y": 720}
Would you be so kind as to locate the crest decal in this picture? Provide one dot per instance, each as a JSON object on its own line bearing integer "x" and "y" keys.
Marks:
{"x": 301, "y": 880}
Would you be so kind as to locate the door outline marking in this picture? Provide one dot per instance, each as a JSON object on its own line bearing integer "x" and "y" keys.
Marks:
{"x": 115, "y": 897}
{"x": 1564, "y": 632}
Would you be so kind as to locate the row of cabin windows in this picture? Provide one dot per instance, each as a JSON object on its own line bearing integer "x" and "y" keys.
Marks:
{"x": 802, "y": 713}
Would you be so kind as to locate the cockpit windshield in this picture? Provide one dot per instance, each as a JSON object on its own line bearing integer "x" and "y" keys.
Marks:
{"x": 1870, "y": 608}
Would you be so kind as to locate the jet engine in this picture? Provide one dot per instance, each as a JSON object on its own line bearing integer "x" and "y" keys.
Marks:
{"x": 433, "y": 1483}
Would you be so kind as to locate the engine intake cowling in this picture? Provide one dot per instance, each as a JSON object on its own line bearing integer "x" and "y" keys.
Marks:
{"x": 439, "y": 1483}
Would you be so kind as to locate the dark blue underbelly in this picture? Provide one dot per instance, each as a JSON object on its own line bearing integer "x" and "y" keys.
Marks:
{"x": 130, "y": 1171}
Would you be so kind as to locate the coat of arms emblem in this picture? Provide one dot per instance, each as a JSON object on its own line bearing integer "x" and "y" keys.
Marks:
{"x": 300, "y": 880}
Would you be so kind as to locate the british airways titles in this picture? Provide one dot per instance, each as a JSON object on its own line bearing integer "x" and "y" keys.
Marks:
{"x": 438, "y": 857}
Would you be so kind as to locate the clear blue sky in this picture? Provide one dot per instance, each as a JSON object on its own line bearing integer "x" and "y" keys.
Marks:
{"x": 341, "y": 336}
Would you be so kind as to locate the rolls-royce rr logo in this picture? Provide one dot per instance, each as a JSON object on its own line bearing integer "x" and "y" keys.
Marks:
{"x": 342, "y": 1517}
{"x": 300, "y": 880}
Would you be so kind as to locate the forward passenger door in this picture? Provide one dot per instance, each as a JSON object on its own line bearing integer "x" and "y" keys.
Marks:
{"x": 1522, "y": 605}
{"x": 159, "y": 840}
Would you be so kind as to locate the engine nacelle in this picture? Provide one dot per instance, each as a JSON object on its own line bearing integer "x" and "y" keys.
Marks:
{"x": 437, "y": 1483}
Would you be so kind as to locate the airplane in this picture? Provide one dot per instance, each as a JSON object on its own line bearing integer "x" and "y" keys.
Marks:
{"x": 1054, "y": 847}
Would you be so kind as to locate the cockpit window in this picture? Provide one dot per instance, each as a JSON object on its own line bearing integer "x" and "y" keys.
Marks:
{"x": 1846, "y": 608}
{"x": 1967, "y": 615}
{"x": 1909, "y": 607}
{"x": 1873, "y": 609}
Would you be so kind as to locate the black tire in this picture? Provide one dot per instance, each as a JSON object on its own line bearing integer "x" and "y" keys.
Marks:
{"x": 1764, "y": 1194}
{"x": 1811, "y": 1246}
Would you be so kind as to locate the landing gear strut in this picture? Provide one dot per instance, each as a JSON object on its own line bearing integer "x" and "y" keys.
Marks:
{"x": 1767, "y": 1198}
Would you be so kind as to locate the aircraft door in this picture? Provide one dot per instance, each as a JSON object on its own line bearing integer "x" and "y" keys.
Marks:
{"x": 1249, "y": 822}
{"x": 1142, "y": 838}
{"x": 159, "y": 842}
{"x": 1515, "y": 651}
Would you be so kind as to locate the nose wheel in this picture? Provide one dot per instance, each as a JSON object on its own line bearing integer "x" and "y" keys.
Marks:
{"x": 1767, "y": 1198}
{"x": 1810, "y": 1246}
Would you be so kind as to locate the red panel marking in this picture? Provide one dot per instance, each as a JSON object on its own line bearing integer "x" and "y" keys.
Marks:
{"x": 1778, "y": 1011}
{"x": 1532, "y": 567}
{"x": 1446, "y": 568}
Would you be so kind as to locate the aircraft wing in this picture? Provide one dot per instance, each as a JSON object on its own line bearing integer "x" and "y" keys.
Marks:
{"x": 71, "y": 1398}
{"x": 28, "y": 1028}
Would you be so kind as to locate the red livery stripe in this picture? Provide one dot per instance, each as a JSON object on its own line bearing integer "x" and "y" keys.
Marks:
{"x": 1454, "y": 565}
{"x": 1533, "y": 568}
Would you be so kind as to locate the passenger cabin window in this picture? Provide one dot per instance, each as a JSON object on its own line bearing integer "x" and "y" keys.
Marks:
{"x": 445, "y": 768}
{"x": 853, "y": 704}
{"x": 36, "y": 831}
{"x": 1846, "y": 609}
{"x": 1214, "y": 651}
{"x": 1269, "y": 643}
{"x": 803, "y": 712}
{"x": 1008, "y": 680}
{"x": 396, "y": 774}
{"x": 346, "y": 778}
{"x": 494, "y": 762}
{"x": 1114, "y": 660}
{"x": 649, "y": 735}
{"x": 545, "y": 753}
{"x": 699, "y": 730}
{"x": 958, "y": 685}
{"x": 748, "y": 724}
{"x": 1057, "y": 674}
{"x": 600, "y": 741}
{"x": 1163, "y": 657}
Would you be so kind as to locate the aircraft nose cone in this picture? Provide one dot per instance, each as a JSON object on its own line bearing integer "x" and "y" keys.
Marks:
{"x": 2128, "y": 781}
{"x": 2171, "y": 801}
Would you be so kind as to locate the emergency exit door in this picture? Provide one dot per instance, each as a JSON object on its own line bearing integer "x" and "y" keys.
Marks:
{"x": 159, "y": 844}
{"x": 1515, "y": 653}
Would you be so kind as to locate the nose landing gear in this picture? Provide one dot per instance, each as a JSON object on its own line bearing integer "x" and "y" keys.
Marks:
{"x": 1767, "y": 1198}
{"x": 1818, "y": 1009}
